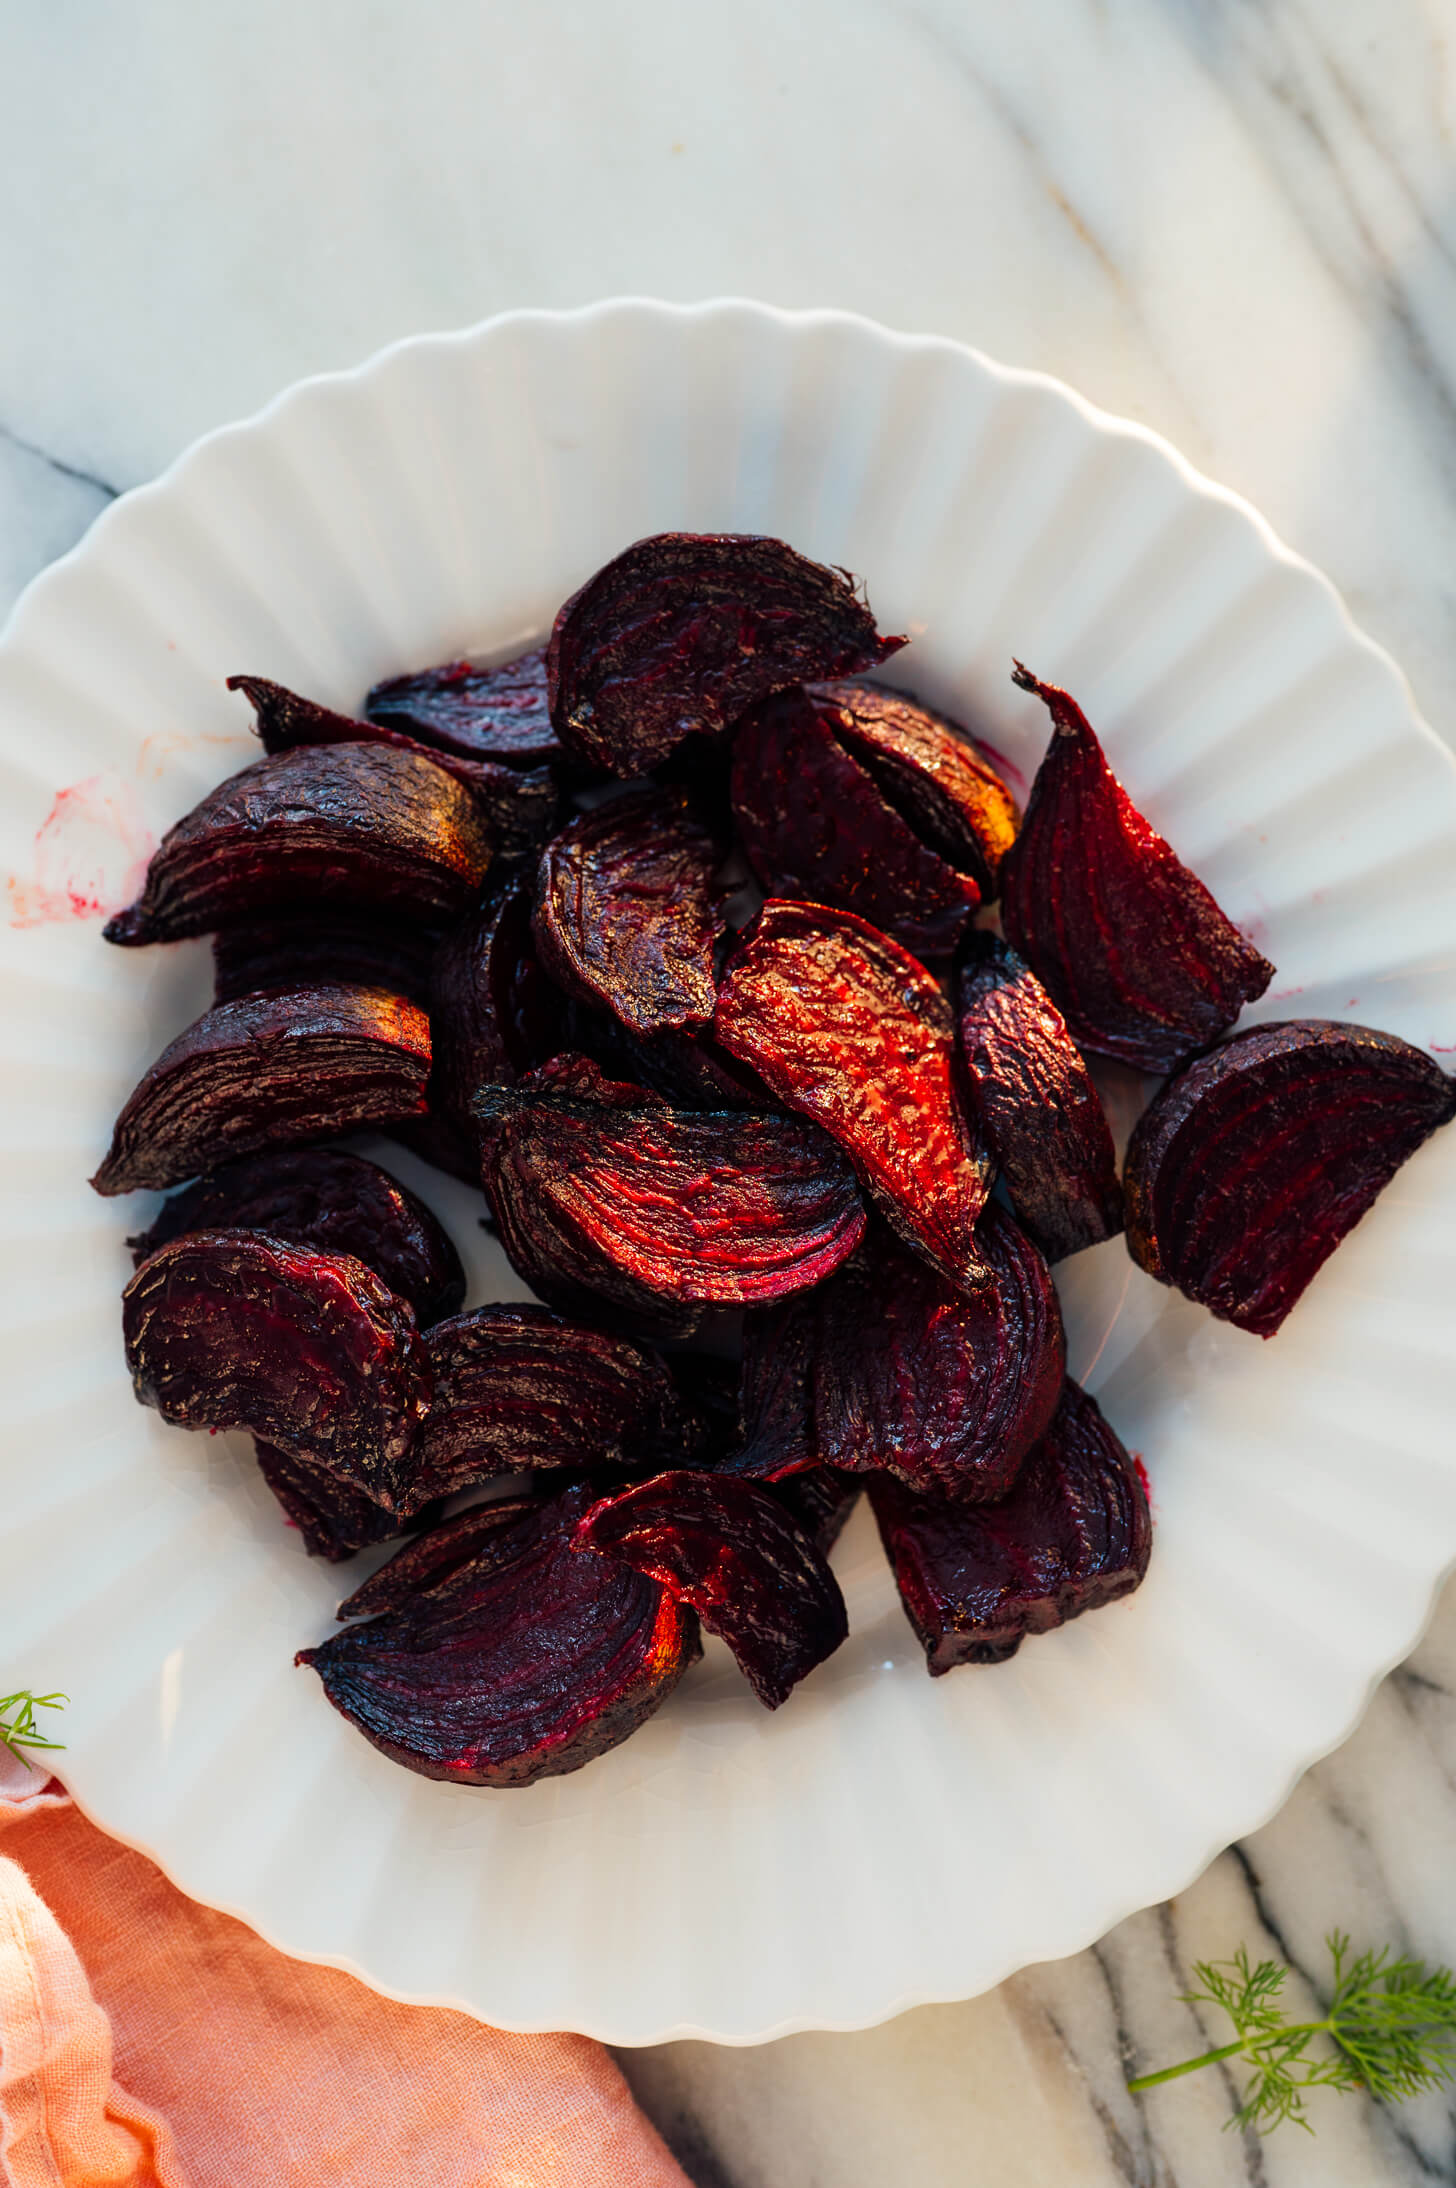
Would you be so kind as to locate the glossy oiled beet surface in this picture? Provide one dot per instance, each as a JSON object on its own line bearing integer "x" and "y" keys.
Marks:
{"x": 930, "y": 771}
{"x": 334, "y": 1518}
{"x": 521, "y": 1661}
{"x": 1074, "y": 1533}
{"x": 311, "y": 1351}
{"x": 329, "y": 1199}
{"x": 683, "y": 632}
{"x": 1032, "y": 1094}
{"x": 728, "y": 1548}
{"x": 498, "y": 713}
{"x": 1250, "y": 1167}
{"x": 1130, "y": 945}
{"x": 268, "y": 1071}
{"x": 848, "y": 1028}
{"x": 354, "y": 824}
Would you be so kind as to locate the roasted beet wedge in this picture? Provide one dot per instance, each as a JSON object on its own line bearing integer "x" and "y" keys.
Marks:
{"x": 841, "y": 1023}
{"x": 719, "y": 1207}
{"x": 685, "y": 631}
{"x": 1130, "y": 945}
{"x": 234, "y": 1329}
{"x": 775, "y": 1392}
{"x": 325, "y": 1198}
{"x": 627, "y": 917}
{"x": 268, "y": 1071}
{"x": 428, "y": 1562}
{"x": 1034, "y": 1099}
{"x": 334, "y": 1519}
{"x": 364, "y": 952}
{"x": 484, "y": 714}
{"x": 521, "y": 1387}
{"x": 358, "y": 825}
{"x": 815, "y": 824}
{"x": 1074, "y": 1533}
{"x": 519, "y": 807}
{"x": 820, "y": 1500}
{"x": 1250, "y": 1167}
{"x": 519, "y": 1663}
{"x": 729, "y": 1549}
{"x": 945, "y": 1388}
{"x": 931, "y": 772}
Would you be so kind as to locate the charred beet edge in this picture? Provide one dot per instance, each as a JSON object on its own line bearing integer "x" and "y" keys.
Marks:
{"x": 358, "y": 825}
{"x": 483, "y": 714}
{"x": 1250, "y": 1167}
{"x": 361, "y": 952}
{"x": 730, "y": 1550}
{"x": 627, "y": 918}
{"x": 1129, "y": 944}
{"x": 333, "y": 1201}
{"x": 1074, "y": 1533}
{"x": 334, "y": 1519}
{"x": 519, "y": 1663}
{"x": 519, "y": 808}
{"x": 845, "y": 1026}
{"x": 946, "y": 1389}
{"x": 268, "y": 1071}
{"x": 1035, "y": 1101}
{"x": 521, "y": 1387}
{"x": 684, "y": 631}
{"x": 814, "y": 824}
{"x": 717, "y": 1207}
{"x": 234, "y": 1329}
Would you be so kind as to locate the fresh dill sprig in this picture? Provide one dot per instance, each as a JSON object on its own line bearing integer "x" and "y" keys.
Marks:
{"x": 18, "y": 1728}
{"x": 1389, "y": 2028}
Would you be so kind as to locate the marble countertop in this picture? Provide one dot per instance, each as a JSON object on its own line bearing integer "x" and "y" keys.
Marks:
{"x": 1232, "y": 219}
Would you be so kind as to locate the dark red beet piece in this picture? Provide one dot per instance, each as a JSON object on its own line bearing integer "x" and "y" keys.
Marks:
{"x": 484, "y": 714}
{"x": 428, "y": 1562}
{"x": 949, "y": 1390}
{"x": 729, "y": 1549}
{"x": 814, "y": 824}
{"x": 331, "y": 1200}
{"x": 234, "y": 1329}
{"x": 844, "y": 1025}
{"x": 1129, "y": 944}
{"x": 334, "y": 1519}
{"x": 1250, "y": 1167}
{"x": 721, "y": 1207}
{"x": 269, "y": 1071}
{"x": 627, "y": 917}
{"x": 357, "y": 825}
{"x": 683, "y": 632}
{"x": 1035, "y": 1101}
{"x": 362, "y": 952}
{"x": 819, "y": 1499}
{"x": 689, "y": 1070}
{"x": 518, "y": 808}
{"x": 930, "y": 771}
{"x": 520, "y": 1663}
{"x": 1074, "y": 1533}
{"x": 775, "y": 1399}
{"x": 521, "y": 1387}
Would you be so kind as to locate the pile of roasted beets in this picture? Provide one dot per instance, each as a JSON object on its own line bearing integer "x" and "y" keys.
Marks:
{"x": 673, "y": 938}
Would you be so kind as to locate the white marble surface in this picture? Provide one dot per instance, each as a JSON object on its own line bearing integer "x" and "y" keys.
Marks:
{"x": 1234, "y": 219}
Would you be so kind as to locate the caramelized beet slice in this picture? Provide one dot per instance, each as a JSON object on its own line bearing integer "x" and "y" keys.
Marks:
{"x": 627, "y": 917}
{"x": 359, "y": 825}
{"x": 819, "y": 1499}
{"x": 1074, "y": 1533}
{"x": 334, "y": 1519}
{"x": 234, "y": 1329}
{"x": 484, "y": 714}
{"x": 519, "y": 1663}
{"x": 730, "y": 1550}
{"x": 520, "y": 1387}
{"x": 1129, "y": 944}
{"x": 843, "y": 1024}
{"x": 720, "y": 1207}
{"x": 1035, "y": 1102}
{"x": 361, "y": 952}
{"x": 1250, "y": 1167}
{"x": 814, "y": 824}
{"x": 267, "y": 1071}
{"x": 325, "y": 1198}
{"x": 689, "y": 1070}
{"x": 428, "y": 1562}
{"x": 949, "y": 1390}
{"x": 685, "y": 631}
{"x": 518, "y": 808}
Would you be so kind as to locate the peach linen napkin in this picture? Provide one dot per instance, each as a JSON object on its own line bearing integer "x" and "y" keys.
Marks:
{"x": 146, "y": 2042}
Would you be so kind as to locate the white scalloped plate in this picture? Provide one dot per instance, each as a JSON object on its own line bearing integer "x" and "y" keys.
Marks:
{"x": 883, "y": 1840}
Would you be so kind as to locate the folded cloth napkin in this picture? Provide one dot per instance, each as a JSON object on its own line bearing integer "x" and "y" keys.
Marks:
{"x": 146, "y": 2042}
